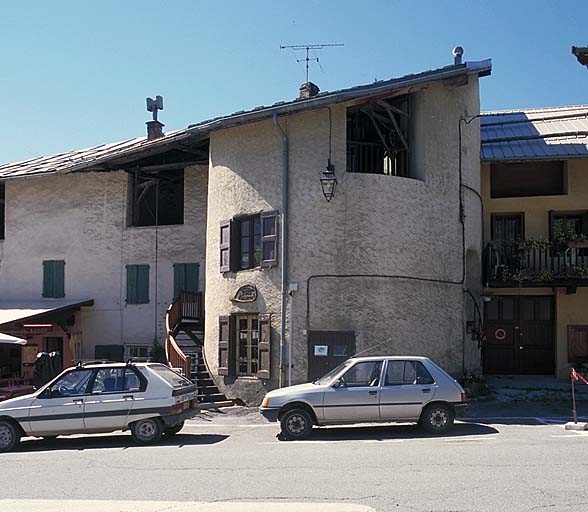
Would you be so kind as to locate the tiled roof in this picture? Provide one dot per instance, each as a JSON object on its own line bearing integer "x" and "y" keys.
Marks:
{"x": 100, "y": 156}
{"x": 545, "y": 133}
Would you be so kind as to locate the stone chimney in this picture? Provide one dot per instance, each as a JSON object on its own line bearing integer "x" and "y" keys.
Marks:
{"x": 154, "y": 130}
{"x": 308, "y": 90}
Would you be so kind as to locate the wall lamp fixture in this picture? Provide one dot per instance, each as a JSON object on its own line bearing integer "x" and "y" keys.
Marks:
{"x": 329, "y": 182}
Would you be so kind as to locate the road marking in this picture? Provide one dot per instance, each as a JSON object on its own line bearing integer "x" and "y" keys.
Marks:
{"x": 176, "y": 506}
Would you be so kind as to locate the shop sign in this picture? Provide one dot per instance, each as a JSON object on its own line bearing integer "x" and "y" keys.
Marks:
{"x": 321, "y": 350}
{"x": 247, "y": 293}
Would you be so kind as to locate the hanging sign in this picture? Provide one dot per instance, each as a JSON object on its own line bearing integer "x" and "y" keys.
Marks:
{"x": 321, "y": 350}
{"x": 247, "y": 293}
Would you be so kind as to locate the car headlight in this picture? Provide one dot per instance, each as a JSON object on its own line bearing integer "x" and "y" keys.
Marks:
{"x": 265, "y": 402}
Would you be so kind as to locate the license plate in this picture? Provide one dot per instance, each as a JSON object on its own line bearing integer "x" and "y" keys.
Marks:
{"x": 186, "y": 405}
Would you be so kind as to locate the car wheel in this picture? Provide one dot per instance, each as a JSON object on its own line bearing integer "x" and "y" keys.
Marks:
{"x": 437, "y": 418}
{"x": 9, "y": 436}
{"x": 171, "y": 431}
{"x": 147, "y": 431}
{"x": 296, "y": 424}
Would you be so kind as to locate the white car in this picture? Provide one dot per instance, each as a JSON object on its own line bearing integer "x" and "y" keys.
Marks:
{"x": 149, "y": 399}
{"x": 368, "y": 390}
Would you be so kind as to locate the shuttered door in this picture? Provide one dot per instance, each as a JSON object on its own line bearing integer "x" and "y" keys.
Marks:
{"x": 264, "y": 347}
{"x": 186, "y": 276}
{"x": 224, "y": 345}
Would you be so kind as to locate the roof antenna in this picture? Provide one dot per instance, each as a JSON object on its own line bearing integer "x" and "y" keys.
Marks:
{"x": 308, "y": 47}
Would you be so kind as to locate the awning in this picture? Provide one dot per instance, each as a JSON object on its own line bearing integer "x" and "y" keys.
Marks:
{"x": 11, "y": 312}
{"x": 11, "y": 340}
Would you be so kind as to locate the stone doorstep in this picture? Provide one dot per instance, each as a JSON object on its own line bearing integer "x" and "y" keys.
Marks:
{"x": 576, "y": 426}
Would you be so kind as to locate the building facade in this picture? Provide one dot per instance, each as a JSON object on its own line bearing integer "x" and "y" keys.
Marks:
{"x": 534, "y": 165}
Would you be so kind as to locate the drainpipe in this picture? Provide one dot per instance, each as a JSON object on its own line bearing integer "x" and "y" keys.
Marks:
{"x": 283, "y": 245}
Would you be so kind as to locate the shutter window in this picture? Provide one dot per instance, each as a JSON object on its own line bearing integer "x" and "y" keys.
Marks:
{"x": 551, "y": 226}
{"x": 225, "y": 246}
{"x": 54, "y": 279}
{"x": 186, "y": 276}
{"x": 224, "y": 346}
{"x": 269, "y": 239}
{"x": 137, "y": 284}
{"x": 264, "y": 347}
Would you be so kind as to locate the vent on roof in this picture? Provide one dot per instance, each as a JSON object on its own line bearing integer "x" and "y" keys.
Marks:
{"x": 457, "y": 55}
{"x": 308, "y": 90}
{"x": 154, "y": 127}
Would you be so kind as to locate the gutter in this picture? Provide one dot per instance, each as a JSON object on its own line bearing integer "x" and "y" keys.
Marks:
{"x": 283, "y": 245}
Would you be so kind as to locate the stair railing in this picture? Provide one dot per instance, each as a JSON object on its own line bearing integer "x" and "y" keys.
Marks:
{"x": 173, "y": 353}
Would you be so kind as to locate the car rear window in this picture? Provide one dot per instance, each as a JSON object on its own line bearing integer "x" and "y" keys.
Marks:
{"x": 171, "y": 377}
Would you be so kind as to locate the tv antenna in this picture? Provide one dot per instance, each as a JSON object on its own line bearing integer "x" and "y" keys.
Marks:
{"x": 308, "y": 47}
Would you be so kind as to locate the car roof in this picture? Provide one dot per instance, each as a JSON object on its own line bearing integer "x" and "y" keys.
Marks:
{"x": 402, "y": 358}
{"x": 114, "y": 364}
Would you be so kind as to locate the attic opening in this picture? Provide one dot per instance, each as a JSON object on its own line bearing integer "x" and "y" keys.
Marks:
{"x": 378, "y": 137}
{"x": 156, "y": 198}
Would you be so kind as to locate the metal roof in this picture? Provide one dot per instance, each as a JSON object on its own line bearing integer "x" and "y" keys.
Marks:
{"x": 105, "y": 157}
{"x": 19, "y": 311}
{"x": 540, "y": 134}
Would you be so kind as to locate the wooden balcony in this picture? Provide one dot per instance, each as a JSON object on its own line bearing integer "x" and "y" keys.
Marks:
{"x": 535, "y": 264}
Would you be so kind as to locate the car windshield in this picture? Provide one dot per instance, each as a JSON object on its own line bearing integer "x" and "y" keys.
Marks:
{"x": 171, "y": 377}
{"x": 328, "y": 377}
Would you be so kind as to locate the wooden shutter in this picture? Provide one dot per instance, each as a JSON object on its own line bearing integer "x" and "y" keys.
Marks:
{"x": 54, "y": 278}
{"x": 224, "y": 345}
{"x": 186, "y": 276}
{"x": 264, "y": 347}
{"x": 225, "y": 246}
{"x": 137, "y": 284}
{"x": 131, "y": 284}
{"x": 577, "y": 343}
{"x": 269, "y": 239}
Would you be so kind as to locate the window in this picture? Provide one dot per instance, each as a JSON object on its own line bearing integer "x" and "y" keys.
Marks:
{"x": 525, "y": 179}
{"x": 72, "y": 383}
{"x": 249, "y": 242}
{"x": 138, "y": 351}
{"x": 366, "y": 373}
{"x": 137, "y": 284}
{"x": 577, "y": 344}
{"x": 2, "y": 210}
{"x": 169, "y": 376}
{"x": 508, "y": 227}
{"x": 401, "y": 373}
{"x": 244, "y": 345}
{"x": 378, "y": 138}
{"x": 115, "y": 380}
{"x": 54, "y": 279}
{"x": 567, "y": 225}
{"x": 186, "y": 277}
{"x": 156, "y": 198}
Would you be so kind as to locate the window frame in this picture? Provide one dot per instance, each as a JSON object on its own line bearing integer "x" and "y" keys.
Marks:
{"x": 140, "y": 378}
{"x": 53, "y": 279}
{"x": 404, "y": 381}
{"x": 352, "y": 368}
{"x": 250, "y": 361}
{"x": 253, "y": 220}
{"x": 137, "y": 297}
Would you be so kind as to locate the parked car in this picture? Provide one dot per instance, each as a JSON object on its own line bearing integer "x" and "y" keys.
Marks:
{"x": 367, "y": 390}
{"x": 149, "y": 399}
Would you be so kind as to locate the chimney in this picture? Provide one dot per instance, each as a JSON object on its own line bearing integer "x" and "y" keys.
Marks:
{"x": 308, "y": 90}
{"x": 457, "y": 54}
{"x": 154, "y": 130}
{"x": 154, "y": 127}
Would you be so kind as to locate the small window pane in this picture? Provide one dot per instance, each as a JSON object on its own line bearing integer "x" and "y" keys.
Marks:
{"x": 410, "y": 372}
{"x": 543, "y": 309}
{"x": 527, "y": 309}
{"x": 507, "y": 308}
{"x": 395, "y": 373}
{"x": 423, "y": 375}
{"x": 269, "y": 226}
{"x": 341, "y": 350}
{"x": 491, "y": 309}
{"x": 363, "y": 374}
{"x": 72, "y": 384}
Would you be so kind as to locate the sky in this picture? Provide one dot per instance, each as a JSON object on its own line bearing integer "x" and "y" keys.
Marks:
{"x": 75, "y": 74}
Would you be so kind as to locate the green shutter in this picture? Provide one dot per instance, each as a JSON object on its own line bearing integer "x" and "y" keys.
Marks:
{"x": 137, "y": 284}
{"x": 54, "y": 279}
{"x": 186, "y": 277}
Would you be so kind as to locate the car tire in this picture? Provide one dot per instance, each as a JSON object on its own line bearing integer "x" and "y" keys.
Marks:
{"x": 172, "y": 431}
{"x": 147, "y": 431}
{"x": 9, "y": 436}
{"x": 437, "y": 418}
{"x": 296, "y": 424}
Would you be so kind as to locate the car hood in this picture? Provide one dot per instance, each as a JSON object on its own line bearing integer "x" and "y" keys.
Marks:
{"x": 298, "y": 389}
{"x": 17, "y": 403}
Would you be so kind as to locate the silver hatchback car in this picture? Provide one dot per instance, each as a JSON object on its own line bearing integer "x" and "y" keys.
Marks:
{"x": 367, "y": 390}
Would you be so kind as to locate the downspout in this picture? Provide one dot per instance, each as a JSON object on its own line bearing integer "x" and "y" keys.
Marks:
{"x": 283, "y": 246}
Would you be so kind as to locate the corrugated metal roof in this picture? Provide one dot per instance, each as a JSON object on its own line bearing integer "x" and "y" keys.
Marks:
{"x": 97, "y": 157}
{"x": 541, "y": 133}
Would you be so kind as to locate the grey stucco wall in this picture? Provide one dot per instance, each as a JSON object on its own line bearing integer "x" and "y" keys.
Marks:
{"x": 382, "y": 225}
{"x": 81, "y": 218}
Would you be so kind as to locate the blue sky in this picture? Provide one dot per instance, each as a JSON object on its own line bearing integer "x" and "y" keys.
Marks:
{"x": 76, "y": 74}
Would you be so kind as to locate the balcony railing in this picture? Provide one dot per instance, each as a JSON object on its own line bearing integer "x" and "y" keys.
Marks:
{"x": 535, "y": 263}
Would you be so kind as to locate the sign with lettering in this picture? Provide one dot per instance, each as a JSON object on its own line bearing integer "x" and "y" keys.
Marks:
{"x": 321, "y": 350}
{"x": 247, "y": 293}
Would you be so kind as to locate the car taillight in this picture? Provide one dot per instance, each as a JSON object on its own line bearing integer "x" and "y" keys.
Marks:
{"x": 463, "y": 397}
{"x": 176, "y": 409}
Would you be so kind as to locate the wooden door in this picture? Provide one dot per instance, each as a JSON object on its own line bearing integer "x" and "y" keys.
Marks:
{"x": 327, "y": 349}
{"x": 520, "y": 335}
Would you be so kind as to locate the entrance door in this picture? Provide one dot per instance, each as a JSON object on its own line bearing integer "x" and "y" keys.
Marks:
{"x": 520, "y": 335}
{"x": 55, "y": 344}
{"x": 327, "y": 349}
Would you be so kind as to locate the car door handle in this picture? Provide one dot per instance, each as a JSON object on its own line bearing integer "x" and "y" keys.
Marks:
{"x": 427, "y": 390}
{"x": 373, "y": 392}
{"x": 128, "y": 396}
{"x": 78, "y": 401}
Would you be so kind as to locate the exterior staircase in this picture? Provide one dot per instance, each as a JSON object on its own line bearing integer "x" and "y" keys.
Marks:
{"x": 184, "y": 347}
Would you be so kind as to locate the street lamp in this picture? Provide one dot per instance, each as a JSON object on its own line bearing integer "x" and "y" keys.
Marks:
{"x": 581, "y": 53}
{"x": 329, "y": 181}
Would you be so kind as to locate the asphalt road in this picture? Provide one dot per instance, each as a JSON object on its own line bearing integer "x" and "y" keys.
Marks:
{"x": 236, "y": 463}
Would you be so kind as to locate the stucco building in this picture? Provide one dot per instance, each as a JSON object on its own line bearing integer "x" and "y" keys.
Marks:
{"x": 333, "y": 224}
{"x": 534, "y": 165}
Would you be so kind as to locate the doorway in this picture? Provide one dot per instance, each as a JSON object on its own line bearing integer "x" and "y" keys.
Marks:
{"x": 327, "y": 349}
{"x": 520, "y": 335}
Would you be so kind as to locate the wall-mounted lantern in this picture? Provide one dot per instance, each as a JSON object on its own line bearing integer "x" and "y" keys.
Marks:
{"x": 329, "y": 181}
